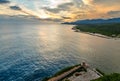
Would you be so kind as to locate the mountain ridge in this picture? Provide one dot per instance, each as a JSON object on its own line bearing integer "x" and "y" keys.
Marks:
{"x": 94, "y": 21}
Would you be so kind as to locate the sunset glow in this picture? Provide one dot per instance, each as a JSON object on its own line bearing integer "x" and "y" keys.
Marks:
{"x": 65, "y": 10}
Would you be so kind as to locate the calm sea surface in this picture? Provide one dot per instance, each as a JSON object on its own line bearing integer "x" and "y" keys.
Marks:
{"x": 31, "y": 51}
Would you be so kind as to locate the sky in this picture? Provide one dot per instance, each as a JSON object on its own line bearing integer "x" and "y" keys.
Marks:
{"x": 64, "y": 10}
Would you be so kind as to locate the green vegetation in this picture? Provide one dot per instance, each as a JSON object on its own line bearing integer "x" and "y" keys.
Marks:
{"x": 112, "y": 30}
{"x": 111, "y": 77}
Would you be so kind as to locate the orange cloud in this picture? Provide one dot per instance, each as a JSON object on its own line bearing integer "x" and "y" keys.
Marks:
{"x": 70, "y": 10}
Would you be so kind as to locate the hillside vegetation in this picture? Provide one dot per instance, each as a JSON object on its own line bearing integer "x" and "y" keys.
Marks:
{"x": 112, "y": 29}
{"x": 111, "y": 77}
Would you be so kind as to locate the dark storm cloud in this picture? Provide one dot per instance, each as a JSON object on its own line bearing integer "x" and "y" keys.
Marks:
{"x": 62, "y": 7}
{"x": 15, "y": 8}
{"x": 4, "y": 1}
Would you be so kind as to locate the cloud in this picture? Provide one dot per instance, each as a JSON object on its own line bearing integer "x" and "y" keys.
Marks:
{"x": 78, "y": 3}
{"x": 5, "y": 10}
{"x": 106, "y": 1}
{"x": 72, "y": 10}
{"x": 15, "y": 8}
{"x": 4, "y": 1}
{"x": 62, "y": 7}
{"x": 114, "y": 13}
{"x": 67, "y": 10}
{"x": 78, "y": 9}
{"x": 55, "y": 3}
{"x": 66, "y": 17}
{"x": 87, "y": 2}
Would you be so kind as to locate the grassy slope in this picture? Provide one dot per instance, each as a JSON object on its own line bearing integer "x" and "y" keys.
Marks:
{"x": 111, "y": 77}
{"x": 105, "y": 29}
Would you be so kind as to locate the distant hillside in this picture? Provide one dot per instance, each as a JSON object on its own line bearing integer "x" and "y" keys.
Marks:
{"x": 94, "y": 21}
{"x": 111, "y": 29}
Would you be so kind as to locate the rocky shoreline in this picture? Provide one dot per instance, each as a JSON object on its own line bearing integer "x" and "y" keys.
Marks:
{"x": 81, "y": 72}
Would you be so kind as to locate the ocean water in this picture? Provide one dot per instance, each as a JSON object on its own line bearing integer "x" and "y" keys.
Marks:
{"x": 30, "y": 50}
